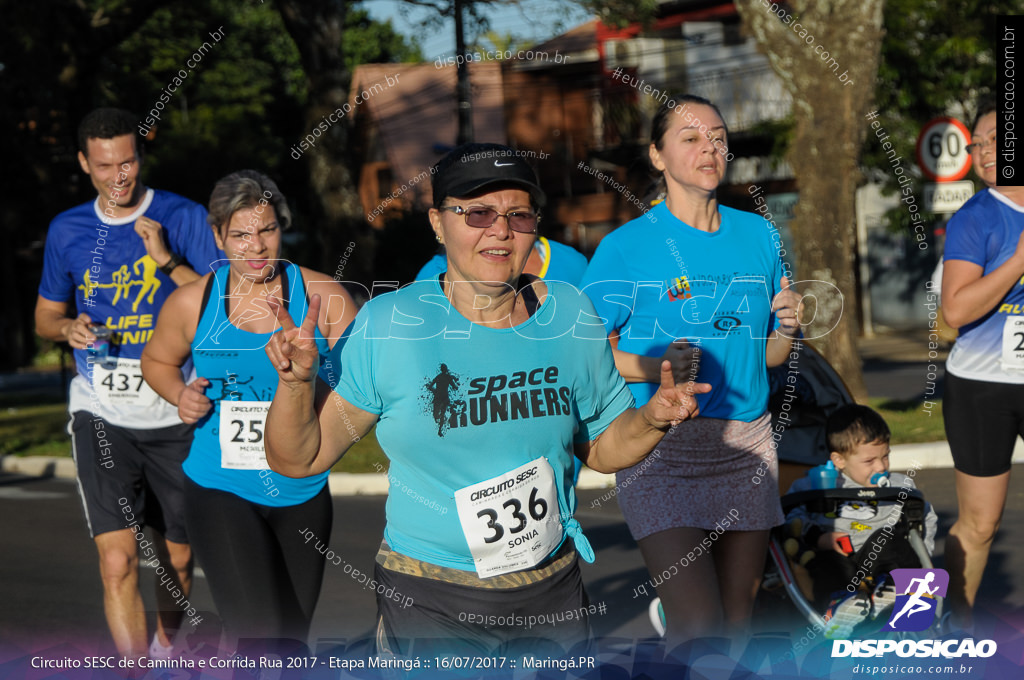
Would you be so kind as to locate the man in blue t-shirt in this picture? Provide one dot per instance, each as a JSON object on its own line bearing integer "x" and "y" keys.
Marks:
{"x": 116, "y": 259}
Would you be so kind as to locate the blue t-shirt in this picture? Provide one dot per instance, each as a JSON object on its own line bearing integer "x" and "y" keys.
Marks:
{"x": 101, "y": 265}
{"x": 657, "y": 279}
{"x": 561, "y": 263}
{"x": 985, "y": 232}
{"x": 461, "y": 403}
{"x": 236, "y": 364}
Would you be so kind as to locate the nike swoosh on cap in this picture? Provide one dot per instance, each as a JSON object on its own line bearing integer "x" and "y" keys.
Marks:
{"x": 502, "y": 165}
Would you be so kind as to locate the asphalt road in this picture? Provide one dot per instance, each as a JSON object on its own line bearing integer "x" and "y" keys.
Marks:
{"x": 50, "y": 590}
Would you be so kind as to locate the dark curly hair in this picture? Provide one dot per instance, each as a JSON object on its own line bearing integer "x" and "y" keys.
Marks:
{"x": 107, "y": 123}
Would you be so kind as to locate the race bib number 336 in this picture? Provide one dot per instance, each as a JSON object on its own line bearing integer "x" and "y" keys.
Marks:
{"x": 512, "y": 521}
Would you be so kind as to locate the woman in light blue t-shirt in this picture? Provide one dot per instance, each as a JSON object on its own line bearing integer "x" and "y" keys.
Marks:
{"x": 692, "y": 269}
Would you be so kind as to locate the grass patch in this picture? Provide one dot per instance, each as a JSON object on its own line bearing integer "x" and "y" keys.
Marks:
{"x": 364, "y": 456}
{"x": 34, "y": 429}
{"x": 35, "y": 425}
{"x": 909, "y": 421}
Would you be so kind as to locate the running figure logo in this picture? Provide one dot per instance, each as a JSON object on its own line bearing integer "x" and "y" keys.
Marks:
{"x": 441, "y": 394}
{"x": 916, "y": 593}
{"x": 122, "y": 282}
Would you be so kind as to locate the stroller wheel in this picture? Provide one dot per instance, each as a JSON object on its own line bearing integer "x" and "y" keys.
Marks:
{"x": 657, "y": 614}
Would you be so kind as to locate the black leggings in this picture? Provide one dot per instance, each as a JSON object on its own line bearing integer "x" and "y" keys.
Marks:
{"x": 263, "y": 577}
{"x": 983, "y": 421}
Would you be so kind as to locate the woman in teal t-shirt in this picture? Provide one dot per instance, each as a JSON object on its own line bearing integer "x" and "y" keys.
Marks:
{"x": 483, "y": 386}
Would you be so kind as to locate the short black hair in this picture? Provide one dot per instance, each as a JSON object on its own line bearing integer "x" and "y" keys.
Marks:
{"x": 107, "y": 123}
{"x": 986, "y": 105}
{"x": 852, "y": 425}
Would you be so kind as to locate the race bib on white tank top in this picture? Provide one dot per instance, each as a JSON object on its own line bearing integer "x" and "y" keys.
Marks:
{"x": 123, "y": 385}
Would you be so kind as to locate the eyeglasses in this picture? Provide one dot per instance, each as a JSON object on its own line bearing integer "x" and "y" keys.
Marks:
{"x": 481, "y": 218}
{"x": 978, "y": 146}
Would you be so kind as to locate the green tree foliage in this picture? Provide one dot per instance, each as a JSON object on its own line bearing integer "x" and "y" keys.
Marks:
{"x": 236, "y": 109}
{"x": 937, "y": 59}
{"x": 242, "y": 105}
{"x": 621, "y": 13}
{"x": 371, "y": 42}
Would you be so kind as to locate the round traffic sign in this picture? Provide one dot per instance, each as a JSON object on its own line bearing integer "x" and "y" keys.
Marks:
{"x": 942, "y": 149}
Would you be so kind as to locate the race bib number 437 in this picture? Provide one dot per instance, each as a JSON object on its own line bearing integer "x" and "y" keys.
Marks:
{"x": 123, "y": 385}
{"x": 512, "y": 521}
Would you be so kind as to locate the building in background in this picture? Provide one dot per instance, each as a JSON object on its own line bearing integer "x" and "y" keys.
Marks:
{"x": 581, "y": 104}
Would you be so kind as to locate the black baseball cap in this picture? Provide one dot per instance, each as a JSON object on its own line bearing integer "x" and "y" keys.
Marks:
{"x": 469, "y": 168}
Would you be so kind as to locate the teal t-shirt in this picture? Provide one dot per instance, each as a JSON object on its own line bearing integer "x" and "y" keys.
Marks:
{"x": 657, "y": 279}
{"x": 460, "y": 404}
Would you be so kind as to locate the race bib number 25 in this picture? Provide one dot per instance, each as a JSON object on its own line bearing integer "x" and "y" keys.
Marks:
{"x": 241, "y": 435}
{"x": 512, "y": 521}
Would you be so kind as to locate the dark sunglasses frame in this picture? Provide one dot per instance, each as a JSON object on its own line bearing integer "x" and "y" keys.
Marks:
{"x": 978, "y": 146}
{"x": 510, "y": 217}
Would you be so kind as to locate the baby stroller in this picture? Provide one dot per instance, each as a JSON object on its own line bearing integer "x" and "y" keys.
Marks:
{"x": 803, "y": 395}
{"x": 906, "y": 536}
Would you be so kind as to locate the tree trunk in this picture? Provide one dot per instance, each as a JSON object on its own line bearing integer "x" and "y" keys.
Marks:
{"x": 316, "y": 26}
{"x": 462, "y": 88}
{"x": 829, "y": 104}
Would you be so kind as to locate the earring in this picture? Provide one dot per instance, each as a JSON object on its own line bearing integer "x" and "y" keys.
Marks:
{"x": 438, "y": 238}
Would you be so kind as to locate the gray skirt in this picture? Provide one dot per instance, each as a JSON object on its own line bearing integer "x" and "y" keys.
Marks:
{"x": 705, "y": 473}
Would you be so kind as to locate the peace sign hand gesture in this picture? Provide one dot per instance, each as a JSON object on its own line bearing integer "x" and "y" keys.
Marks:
{"x": 293, "y": 350}
{"x": 673, "y": 402}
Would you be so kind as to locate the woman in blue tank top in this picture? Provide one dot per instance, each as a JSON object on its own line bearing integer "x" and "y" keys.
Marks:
{"x": 243, "y": 519}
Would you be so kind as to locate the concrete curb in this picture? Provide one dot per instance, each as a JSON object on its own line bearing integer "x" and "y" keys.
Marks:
{"x": 39, "y": 466}
{"x": 903, "y": 457}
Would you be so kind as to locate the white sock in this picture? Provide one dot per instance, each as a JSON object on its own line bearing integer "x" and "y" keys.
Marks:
{"x": 158, "y": 651}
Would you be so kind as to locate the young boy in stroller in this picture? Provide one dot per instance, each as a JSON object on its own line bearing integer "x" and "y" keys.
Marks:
{"x": 848, "y": 541}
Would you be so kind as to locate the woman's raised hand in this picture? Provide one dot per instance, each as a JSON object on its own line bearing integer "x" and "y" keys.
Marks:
{"x": 673, "y": 402}
{"x": 293, "y": 350}
{"x": 788, "y": 305}
{"x": 685, "y": 360}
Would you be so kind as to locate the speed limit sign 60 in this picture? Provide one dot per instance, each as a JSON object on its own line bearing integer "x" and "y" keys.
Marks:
{"x": 942, "y": 149}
